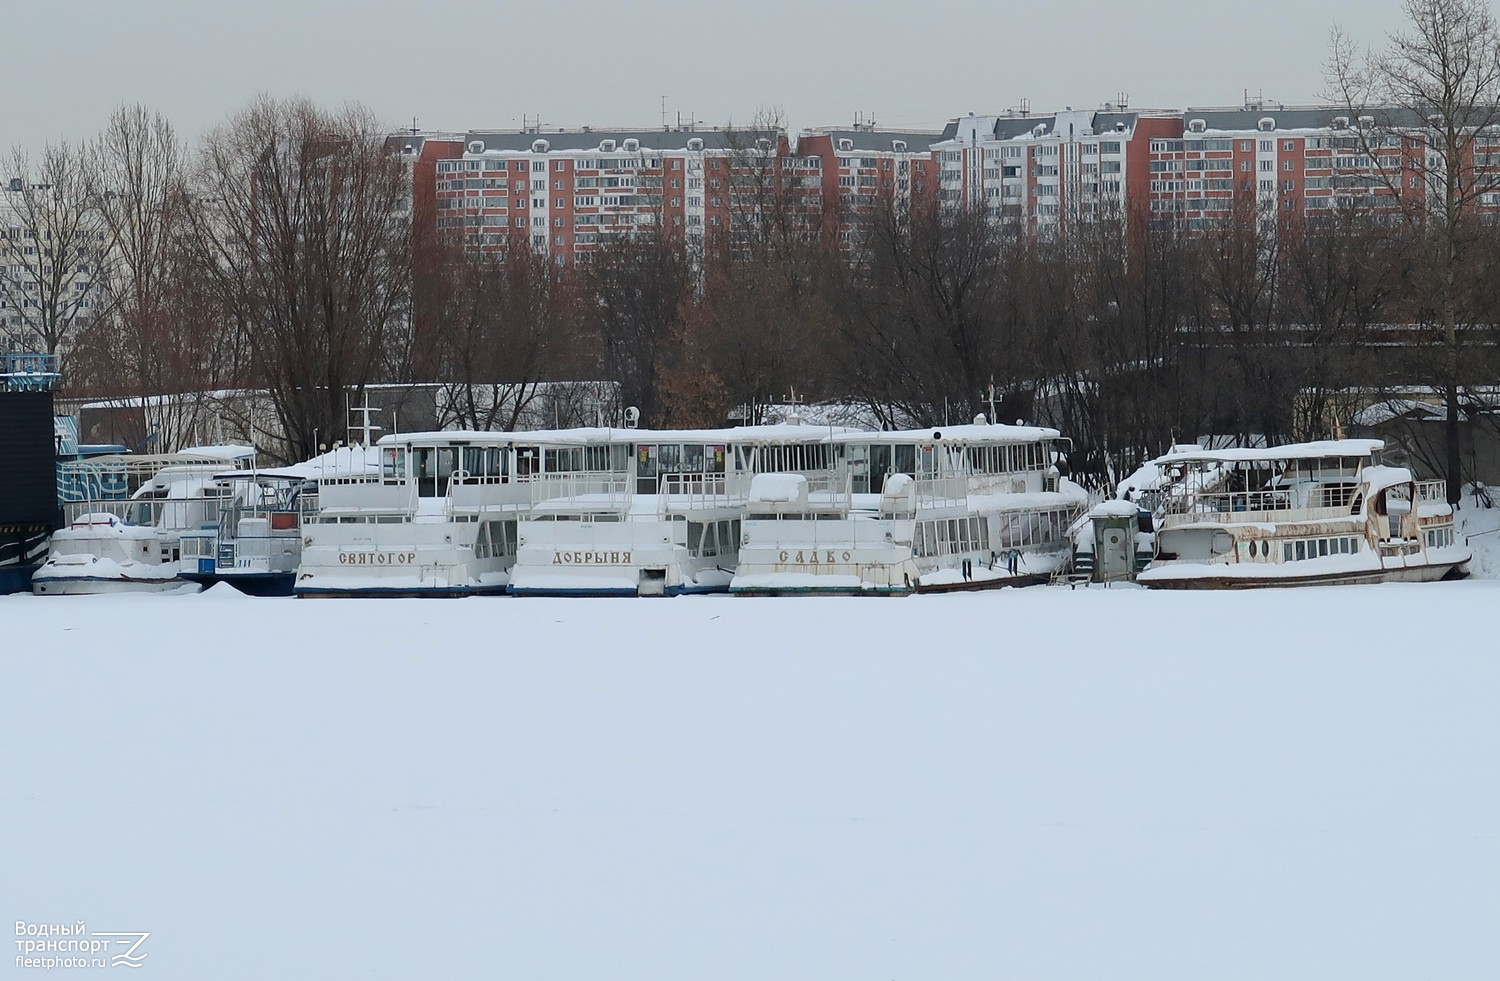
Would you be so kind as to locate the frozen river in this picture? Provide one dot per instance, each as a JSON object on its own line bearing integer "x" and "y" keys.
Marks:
{"x": 1039, "y": 784}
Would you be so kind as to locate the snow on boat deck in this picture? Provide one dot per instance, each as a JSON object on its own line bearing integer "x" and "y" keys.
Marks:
{"x": 1042, "y": 783}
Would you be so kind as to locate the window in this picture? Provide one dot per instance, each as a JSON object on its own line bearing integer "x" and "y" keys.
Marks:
{"x": 1288, "y": 146}
{"x": 1286, "y": 165}
{"x": 559, "y": 165}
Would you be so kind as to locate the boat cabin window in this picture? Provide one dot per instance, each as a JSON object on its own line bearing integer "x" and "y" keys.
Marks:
{"x": 563, "y": 459}
{"x": 528, "y": 461}
{"x": 645, "y": 461}
{"x": 613, "y": 458}
{"x": 393, "y": 464}
{"x": 928, "y": 460}
{"x": 794, "y": 458}
{"x": 485, "y": 464}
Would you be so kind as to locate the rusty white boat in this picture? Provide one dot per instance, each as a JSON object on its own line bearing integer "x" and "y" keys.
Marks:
{"x": 1304, "y": 514}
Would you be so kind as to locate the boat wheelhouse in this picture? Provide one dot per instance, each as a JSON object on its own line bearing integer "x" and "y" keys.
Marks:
{"x": 630, "y": 512}
{"x": 1319, "y": 513}
{"x": 921, "y": 510}
{"x": 126, "y": 516}
{"x": 437, "y": 519}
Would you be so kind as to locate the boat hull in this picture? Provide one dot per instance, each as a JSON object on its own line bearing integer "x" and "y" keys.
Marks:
{"x": 396, "y": 592}
{"x": 43, "y": 585}
{"x": 675, "y": 590}
{"x": 1432, "y": 572}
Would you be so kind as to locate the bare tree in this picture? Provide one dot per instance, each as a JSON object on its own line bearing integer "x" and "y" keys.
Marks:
{"x": 1428, "y": 113}
{"x": 639, "y": 287}
{"x": 53, "y": 246}
{"x": 162, "y": 333}
{"x": 508, "y": 326}
{"x": 301, "y": 221}
{"x": 929, "y": 319}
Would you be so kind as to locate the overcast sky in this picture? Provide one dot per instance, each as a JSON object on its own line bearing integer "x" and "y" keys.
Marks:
{"x": 461, "y": 64}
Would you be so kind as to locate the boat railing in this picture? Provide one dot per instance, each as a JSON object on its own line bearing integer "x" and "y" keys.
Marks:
{"x": 997, "y": 483}
{"x": 609, "y": 489}
{"x": 165, "y": 515}
{"x": 694, "y": 491}
{"x": 1432, "y": 492}
{"x": 1328, "y": 500}
{"x": 1246, "y": 508}
{"x": 942, "y": 492}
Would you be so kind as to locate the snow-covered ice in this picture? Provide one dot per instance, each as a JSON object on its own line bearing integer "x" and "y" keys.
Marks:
{"x": 1042, "y": 784}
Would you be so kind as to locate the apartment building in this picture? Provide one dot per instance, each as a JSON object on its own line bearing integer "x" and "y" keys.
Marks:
{"x": 1044, "y": 168}
{"x": 1304, "y": 161}
{"x": 50, "y": 266}
{"x": 564, "y": 193}
{"x": 1195, "y": 167}
{"x": 858, "y": 168}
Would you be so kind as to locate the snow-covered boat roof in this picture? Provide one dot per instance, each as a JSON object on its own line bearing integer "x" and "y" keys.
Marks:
{"x": 343, "y": 461}
{"x": 780, "y": 432}
{"x": 1378, "y": 479}
{"x": 1114, "y": 508}
{"x": 1319, "y": 449}
{"x": 969, "y": 433}
{"x": 150, "y": 463}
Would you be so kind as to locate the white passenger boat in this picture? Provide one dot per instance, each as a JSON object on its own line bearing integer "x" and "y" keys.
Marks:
{"x": 629, "y": 512}
{"x": 438, "y": 519}
{"x": 1305, "y": 514}
{"x": 959, "y": 507}
{"x": 256, "y": 543}
{"x": 111, "y": 545}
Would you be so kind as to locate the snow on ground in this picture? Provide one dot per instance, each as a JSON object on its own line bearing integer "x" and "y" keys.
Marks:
{"x": 1479, "y": 526}
{"x": 1039, "y": 784}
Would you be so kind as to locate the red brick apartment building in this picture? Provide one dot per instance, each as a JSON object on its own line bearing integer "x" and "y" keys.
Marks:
{"x": 565, "y": 192}
{"x": 1196, "y": 166}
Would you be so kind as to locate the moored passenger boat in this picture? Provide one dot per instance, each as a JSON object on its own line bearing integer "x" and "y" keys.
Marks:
{"x": 1320, "y": 513}
{"x": 923, "y": 510}
{"x": 438, "y": 519}
{"x": 630, "y": 512}
{"x": 111, "y": 545}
